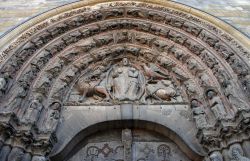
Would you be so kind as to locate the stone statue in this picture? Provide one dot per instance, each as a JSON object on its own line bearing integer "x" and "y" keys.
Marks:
{"x": 236, "y": 153}
{"x": 163, "y": 90}
{"x": 32, "y": 112}
{"x": 3, "y": 85}
{"x": 204, "y": 77}
{"x": 16, "y": 154}
{"x": 15, "y": 103}
{"x": 199, "y": 114}
{"x": 178, "y": 53}
{"x": 193, "y": 65}
{"x": 246, "y": 83}
{"x": 191, "y": 88}
{"x": 216, "y": 105}
{"x": 216, "y": 156}
{"x": 125, "y": 84}
{"x": 233, "y": 97}
{"x": 52, "y": 117}
{"x": 221, "y": 75}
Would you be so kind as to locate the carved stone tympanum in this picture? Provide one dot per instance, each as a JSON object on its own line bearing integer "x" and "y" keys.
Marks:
{"x": 71, "y": 75}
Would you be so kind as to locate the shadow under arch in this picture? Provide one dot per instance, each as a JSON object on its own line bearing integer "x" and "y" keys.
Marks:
{"x": 79, "y": 140}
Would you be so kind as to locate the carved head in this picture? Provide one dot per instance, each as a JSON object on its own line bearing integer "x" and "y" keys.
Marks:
{"x": 216, "y": 156}
{"x": 194, "y": 103}
{"x": 166, "y": 82}
{"x": 39, "y": 98}
{"x": 55, "y": 106}
{"x": 125, "y": 61}
{"x": 235, "y": 151}
{"x": 211, "y": 94}
{"x": 2, "y": 83}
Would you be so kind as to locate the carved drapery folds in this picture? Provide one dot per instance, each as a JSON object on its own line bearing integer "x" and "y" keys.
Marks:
{"x": 125, "y": 53}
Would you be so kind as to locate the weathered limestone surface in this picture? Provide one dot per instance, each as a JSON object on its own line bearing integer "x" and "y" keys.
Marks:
{"x": 75, "y": 74}
{"x": 235, "y": 12}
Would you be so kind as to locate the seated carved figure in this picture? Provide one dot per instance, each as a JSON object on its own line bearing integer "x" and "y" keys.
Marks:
{"x": 216, "y": 105}
{"x": 199, "y": 114}
{"x": 246, "y": 83}
{"x": 3, "y": 85}
{"x": 51, "y": 118}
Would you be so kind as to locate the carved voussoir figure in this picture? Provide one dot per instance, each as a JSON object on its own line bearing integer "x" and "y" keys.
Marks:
{"x": 51, "y": 117}
{"x": 32, "y": 112}
{"x": 216, "y": 104}
{"x": 236, "y": 153}
{"x": 205, "y": 79}
{"x": 191, "y": 88}
{"x": 194, "y": 66}
{"x": 199, "y": 114}
{"x": 16, "y": 102}
{"x": 233, "y": 97}
{"x": 3, "y": 85}
{"x": 246, "y": 84}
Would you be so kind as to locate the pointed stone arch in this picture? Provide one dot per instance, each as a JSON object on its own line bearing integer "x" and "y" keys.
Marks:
{"x": 45, "y": 59}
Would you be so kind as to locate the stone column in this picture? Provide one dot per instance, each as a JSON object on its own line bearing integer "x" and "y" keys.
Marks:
{"x": 5, "y": 152}
{"x": 26, "y": 157}
{"x": 127, "y": 143}
{"x": 16, "y": 154}
{"x": 1, "y": 144}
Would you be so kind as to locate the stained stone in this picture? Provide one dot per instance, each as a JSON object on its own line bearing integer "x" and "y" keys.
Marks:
{"x": 124, "y": 81}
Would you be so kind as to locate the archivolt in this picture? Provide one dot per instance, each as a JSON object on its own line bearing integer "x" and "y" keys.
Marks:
{"x": 50, "y": 56}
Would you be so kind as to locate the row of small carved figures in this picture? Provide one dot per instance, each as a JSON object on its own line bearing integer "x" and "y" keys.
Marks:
{"x": 9, "y": 153}
{"x": 210, "y": 133}
{"x": 5, "y": 81}
{"x": 31, "y": 47}
{"x": 235, "y": 153}
{"x": 35, "y": 127}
